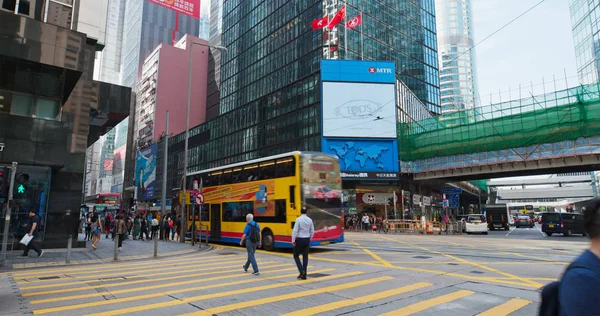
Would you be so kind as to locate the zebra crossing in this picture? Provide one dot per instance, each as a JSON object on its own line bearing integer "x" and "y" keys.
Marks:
{"x": 215, "y": 284}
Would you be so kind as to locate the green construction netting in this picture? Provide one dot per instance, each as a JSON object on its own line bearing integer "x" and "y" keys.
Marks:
{"x": 553, "y": 117}
{"x": 482, "y": 184}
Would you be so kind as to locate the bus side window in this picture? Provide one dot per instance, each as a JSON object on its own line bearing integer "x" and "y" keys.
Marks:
{"x": 226, "y": 177}
{"x": 267, "y": 170}
{"x": 293, "y": 196}
{"x": 285, "y": 167}
{"x": 251, "y": 173}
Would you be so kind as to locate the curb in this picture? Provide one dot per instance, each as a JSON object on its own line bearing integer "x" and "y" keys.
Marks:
{"x": 12, "y": 267}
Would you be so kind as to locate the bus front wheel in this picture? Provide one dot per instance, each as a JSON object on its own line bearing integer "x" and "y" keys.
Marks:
{"x": 268, "y": 242}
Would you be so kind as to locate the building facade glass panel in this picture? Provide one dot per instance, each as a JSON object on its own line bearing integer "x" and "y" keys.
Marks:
{"x": 585, "y": 20}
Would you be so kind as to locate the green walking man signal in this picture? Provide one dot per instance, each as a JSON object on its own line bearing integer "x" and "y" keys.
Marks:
{"x": 21, "y": 189}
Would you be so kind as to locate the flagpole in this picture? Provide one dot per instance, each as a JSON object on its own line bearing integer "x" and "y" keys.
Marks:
{"x": 345, "y": 33}
{"x": 362, "y": 39}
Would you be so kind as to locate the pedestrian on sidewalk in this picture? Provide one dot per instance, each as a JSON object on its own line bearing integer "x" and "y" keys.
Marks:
{"x": 176, "y": 230}
{"x": 137, "y": 228}
{"x": 32, "y": 228}
{"x": 88, "y": 227}
{"x": 96, "y": 230}
{"x": 144, "y": 229}
{"x": 121, "y": 230}
{"x": 107, "y": 222}
{"x": 154, "y": 227}
{"x": 252, "y": 237}
{"x": 365, "y": 222}
{"x": 303, "y": 232}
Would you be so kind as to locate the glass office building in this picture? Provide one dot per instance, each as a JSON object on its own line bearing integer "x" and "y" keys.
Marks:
{"x": 147, "y": 25}
{"x": 270, "y": 91}
{"x": 458, "y": 81}
{"x": 585, "y": 20}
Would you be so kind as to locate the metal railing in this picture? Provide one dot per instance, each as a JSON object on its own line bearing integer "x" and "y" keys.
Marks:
{"x": 203, "y": 234}
{"x": 11, "y": 244}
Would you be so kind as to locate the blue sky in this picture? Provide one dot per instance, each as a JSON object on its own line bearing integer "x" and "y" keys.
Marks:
{"x": 539, "y": 44}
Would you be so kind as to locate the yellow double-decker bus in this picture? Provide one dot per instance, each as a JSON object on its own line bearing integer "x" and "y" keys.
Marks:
{"x": 274, "y": 189}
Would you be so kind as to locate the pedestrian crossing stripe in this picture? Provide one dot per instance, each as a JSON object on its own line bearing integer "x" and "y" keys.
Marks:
{"x": 101, "y": 273}
{"x": 136, "y": 282}
{"x": 187, "y": 300}
{"x": 115, "y": 265}
{"x": 423, "y": 305}
{"x": 161, "y": 294}
{"x": 507, "y": 308}
{"x": 279, "y": 298}
{"x": 359, "y": 300}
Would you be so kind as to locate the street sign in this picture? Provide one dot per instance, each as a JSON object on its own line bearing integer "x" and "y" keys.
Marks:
{"x": 451, "y": 190}
{"x": 426, "y": 200}
{"x": 416, "y": 199}
{"x": 453, "y": 200}
{"x": 199, "y": 199}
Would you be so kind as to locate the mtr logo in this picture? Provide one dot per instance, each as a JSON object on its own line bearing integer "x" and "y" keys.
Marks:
{"x": 380, "y": 70}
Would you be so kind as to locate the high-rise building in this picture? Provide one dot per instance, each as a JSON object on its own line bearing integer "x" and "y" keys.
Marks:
{"x": 146, "y": 26}
{"x": 214, "y": 61}
{"x": 270, "y": 74}
{"x": 164, "y": 87}
{"x": 109, "y": 60}
{"x": 586, "y": 38}
{"x": 458, "y": 80}
{"x": 204, "y": 32}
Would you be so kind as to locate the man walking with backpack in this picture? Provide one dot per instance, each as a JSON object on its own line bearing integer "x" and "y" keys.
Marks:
{"x": 253, "y": 238}
{"x": 579, "y": 290}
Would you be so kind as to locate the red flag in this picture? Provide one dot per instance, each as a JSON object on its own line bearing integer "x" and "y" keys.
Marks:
{"x": 339, "y": 16}
{"x": 356, "y": 21}
{"x": 320, "y": 23}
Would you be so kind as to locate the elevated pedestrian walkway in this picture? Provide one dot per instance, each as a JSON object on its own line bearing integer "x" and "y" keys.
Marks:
{"x": 560, "y": 129}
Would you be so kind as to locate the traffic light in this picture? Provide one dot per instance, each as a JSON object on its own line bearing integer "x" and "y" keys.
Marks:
{"x": 21, "y": 183}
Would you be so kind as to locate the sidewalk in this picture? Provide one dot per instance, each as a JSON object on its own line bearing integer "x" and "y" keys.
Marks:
{"x": 132, "y": 250}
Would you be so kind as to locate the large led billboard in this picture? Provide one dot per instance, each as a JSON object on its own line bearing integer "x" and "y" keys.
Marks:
{"x": 187, "y": 7}
{"x": 363, "y": 110}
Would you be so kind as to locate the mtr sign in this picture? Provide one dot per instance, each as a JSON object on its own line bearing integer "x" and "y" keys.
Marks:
{"x": 380, "y": 70}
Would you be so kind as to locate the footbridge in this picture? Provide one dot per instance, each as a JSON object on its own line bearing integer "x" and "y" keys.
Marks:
{"x": 555, "y": 132}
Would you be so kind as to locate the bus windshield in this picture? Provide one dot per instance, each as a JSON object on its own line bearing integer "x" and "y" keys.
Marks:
{"x": 322, "y": 190}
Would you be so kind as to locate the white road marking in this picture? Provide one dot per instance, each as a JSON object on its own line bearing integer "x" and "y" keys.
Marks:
{"x": 538, "y": 227}
{"x": 511, "y": 230}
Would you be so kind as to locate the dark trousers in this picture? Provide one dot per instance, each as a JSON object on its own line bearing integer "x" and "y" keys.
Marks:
{"x": 121, "y": 237}
{"x": 32, "y": 245}
{"x": 302, "y": 247}
{"x": 143, "y": 232}
{"x": 154, "y": 230}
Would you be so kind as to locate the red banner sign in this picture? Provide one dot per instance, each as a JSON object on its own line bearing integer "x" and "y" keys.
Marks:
{"x": 187, "y": 7}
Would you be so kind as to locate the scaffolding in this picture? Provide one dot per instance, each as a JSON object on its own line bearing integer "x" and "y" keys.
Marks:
{"x": 561, "y": 117}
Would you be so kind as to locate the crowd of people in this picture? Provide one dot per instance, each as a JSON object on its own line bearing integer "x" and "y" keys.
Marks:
{"x": 367, "y": 222}
{"x": 137, "y": 227}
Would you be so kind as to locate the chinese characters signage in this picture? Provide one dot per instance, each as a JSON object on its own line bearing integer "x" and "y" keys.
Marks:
{"x": 187, "y": 7}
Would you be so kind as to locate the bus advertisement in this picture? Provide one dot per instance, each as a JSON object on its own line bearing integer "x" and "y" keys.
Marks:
{"x": 274, "y": 189}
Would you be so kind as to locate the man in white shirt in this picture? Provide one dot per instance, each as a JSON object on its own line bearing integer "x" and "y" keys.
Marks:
{"x": 304, "y": 230}
{"x": 365, "y": 220}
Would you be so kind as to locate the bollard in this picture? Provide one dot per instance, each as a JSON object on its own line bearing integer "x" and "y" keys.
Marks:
{"x": 69, "y": 245}
{"x": 155, "y": 246}
{"x": 116, "y": 247}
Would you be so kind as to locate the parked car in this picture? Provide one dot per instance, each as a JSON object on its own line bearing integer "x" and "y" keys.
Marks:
{"x": 524, "y": 220}
{"x": 476, "y": 223}
{"x": 562, "y": 223}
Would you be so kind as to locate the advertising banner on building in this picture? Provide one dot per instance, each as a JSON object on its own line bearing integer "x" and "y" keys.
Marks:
{"x": 359, "y": 118}
{"x": 187, "y": 7}
{"x": 145, "y": 172}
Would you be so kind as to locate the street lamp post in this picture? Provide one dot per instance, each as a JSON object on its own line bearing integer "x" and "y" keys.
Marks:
{"x": 183, "y": 217}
